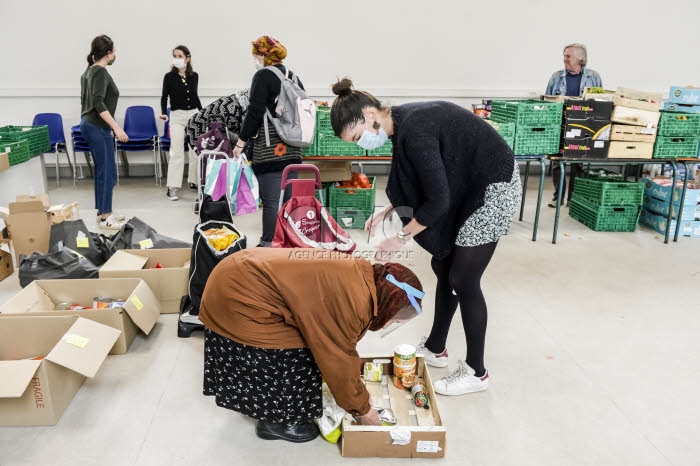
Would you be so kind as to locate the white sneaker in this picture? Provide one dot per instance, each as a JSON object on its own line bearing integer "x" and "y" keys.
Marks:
{"x": 172, "y": 194}
{"x": 110, "y": 223}
{"x": 188, "y": 318}
{"x": 462, "y": 381}
{"x": 430, "y": 358}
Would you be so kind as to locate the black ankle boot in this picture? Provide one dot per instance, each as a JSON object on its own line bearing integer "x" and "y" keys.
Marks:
{"x": 297, "y": 433}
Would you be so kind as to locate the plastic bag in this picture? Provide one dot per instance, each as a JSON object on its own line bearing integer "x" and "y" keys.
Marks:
{"x": 221, "y": 238}
{"x": 330, "y": 424}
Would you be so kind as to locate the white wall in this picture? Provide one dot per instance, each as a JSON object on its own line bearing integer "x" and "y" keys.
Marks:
{"x": 402, "y": 50}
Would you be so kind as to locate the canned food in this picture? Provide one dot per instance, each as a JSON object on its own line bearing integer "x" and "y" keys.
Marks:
{"x": 63, "y": 306}
{"x": 101, "y": 303}
{"x": 114, "y": 304}
{"x": 404, "y": 366}
{"x": 76, "y": 307}
{"x": 420, "y": 395}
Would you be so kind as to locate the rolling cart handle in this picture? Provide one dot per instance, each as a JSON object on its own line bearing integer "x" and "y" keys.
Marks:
{"x": 300, "y": 168}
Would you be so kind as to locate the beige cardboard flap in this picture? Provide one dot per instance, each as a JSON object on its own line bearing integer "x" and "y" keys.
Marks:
{"x": 15, "y": 376}
{"x": 32, "y": 298}
{"x": 84, "y": 347}
{"x": 143, "y": 307}
{"x": 123, "y": 260}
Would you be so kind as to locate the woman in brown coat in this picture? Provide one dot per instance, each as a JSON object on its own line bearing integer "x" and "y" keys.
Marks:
{"x": 278, "y": 319}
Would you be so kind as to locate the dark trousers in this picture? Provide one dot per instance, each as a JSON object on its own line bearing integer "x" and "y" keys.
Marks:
{"x": 101, "y": 145}
{"x": 270, "y": 184}
{"x": 575, "y": 170}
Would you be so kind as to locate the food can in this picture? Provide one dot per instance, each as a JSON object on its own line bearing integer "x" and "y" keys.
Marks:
{"x": 420, "y": 395}
{"x": 101, "y": 303}
{"x": 115, "y": 304}
{"x": 76, "y": 307}
{"x": 404, "y": 366}
{"x": 63, "y": 306}
{"x": 373, "y": 371}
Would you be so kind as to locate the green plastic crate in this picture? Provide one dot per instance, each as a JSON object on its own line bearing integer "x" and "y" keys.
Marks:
{"x": 606, "y": 175}
{"x": 352, "y": 198}
{"x": 36, "y": 136}
{"x": 506, "y": 130}
{"x": 350, "y": 218}
{"x": 386, "y": 150}
{"x": 605, "y": 218}
{"x": 323, "y": 120}
{"x": 679, "y": 124}
{"x": 312, "y": 149}
{"x": 607, "y": 193}
{"x": 330, "y": 145}
{"x": 672, "y": 147}
{"x": 18, "y": 152}
{"x": 531, "y": 113}
{"x": 537, "y": 141}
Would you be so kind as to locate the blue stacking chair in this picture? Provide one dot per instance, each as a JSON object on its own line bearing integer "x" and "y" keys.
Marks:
{"x": 57, "y": 139}
{"x": 80, "y": 144}
{"x": 140, "y": 126}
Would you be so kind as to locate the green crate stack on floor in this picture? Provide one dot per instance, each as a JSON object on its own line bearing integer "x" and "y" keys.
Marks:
{"x": 678, "y": 136}
{"x": 604, "y": 205}
{"x": 37, "y": 137}
{"x": 327, "y": 143}
{"x": 537, "y": 124}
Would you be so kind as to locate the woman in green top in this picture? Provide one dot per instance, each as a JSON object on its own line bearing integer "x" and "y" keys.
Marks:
{"x": 98, "y": 99}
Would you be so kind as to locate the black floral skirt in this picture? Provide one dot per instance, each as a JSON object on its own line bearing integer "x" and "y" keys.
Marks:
{"x": 272, "y": 385}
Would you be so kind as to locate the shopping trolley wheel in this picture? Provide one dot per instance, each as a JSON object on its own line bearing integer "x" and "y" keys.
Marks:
{"x": 195, "y": 207}
{"x": 187, "y": 322}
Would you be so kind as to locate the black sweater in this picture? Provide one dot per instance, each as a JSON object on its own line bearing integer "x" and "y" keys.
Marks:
{"x": 182, "y": 96}
{"x": 264, "y": 90}
{"x": 444, "y": 158}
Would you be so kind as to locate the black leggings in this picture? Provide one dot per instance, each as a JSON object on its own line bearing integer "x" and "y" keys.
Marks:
{"x": 461, "y": 272}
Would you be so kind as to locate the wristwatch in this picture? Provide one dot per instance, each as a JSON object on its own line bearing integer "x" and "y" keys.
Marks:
{"x": 403, "y": 236}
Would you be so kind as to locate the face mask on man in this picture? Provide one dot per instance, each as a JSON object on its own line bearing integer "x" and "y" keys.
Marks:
{"x": 179, "y": 63}
{"x": 370, "y": 141}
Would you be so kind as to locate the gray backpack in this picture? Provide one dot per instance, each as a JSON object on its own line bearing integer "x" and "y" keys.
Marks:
{"x": 295, "y": 119}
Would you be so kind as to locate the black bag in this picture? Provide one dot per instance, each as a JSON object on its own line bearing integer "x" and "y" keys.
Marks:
{"x": 136, "y": 234}
{"x": 205, "y": 258}
{"x": 215, "y": 210}
{"x": 65, "y": 234}
{"x": 62, "y": 264}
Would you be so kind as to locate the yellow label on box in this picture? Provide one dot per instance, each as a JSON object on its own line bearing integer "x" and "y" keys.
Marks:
{"x": 137, "y": 302}
{"x": 146, "y": 244}
{"x": 75, "y": 340}
{"x": 82, "y": 242}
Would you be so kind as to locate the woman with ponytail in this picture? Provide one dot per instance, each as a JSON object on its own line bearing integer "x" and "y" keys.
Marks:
{"x": 98, "y": 98}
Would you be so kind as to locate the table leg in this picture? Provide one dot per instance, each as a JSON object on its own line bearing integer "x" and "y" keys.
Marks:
{"x": 674, "y": 167}
{"x": 539, "y": 201}
{"x": 562, "y": 164}
{"x": 680, "y": 208}
{"x": 522, "y": 201}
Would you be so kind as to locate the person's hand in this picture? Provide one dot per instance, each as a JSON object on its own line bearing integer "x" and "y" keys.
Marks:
{"x": 388, "y": 246}
{"x": 373, "y": 222}
{"x": 164, "y": 117}
{"x": 237, "y": 151}
{"x": 121, "y": 135}
{"x": 370, "y": 419}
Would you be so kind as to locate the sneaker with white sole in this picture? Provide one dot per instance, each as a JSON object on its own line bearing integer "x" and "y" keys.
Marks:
{"x": 462, "y": 381}
{"x": 110, "y": 223}
{"x": 172, "y": 194}
{"x": 430, "y": 358}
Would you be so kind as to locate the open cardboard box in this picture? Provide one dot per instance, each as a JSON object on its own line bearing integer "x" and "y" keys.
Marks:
{"x": 140, "y": 311}
{"x": 4, "y": 161}
{"x": 428, "y": 435}
{"x": 169, "y": 284}
{"x": 37, "y": 392}
{"x": 6, "y": 268}
{"x": 29, "y": 225}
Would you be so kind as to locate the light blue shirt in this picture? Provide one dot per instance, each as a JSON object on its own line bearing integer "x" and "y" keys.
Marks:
{"x": 557, "y": 83}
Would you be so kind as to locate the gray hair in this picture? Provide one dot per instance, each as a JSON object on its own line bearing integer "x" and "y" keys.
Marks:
{"x": 580, "y": 52}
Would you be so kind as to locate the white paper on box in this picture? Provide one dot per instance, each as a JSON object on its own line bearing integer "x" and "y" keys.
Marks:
{"x": 650, "y": 131}
{"x": 598, "y": 144}
{"x": 577, "y": 132}
{"x": 400, "y": 436}
{"x": 425, "y": 446}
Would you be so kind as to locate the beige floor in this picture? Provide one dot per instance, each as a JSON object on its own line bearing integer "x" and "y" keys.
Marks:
{"x": 592, "y": 347}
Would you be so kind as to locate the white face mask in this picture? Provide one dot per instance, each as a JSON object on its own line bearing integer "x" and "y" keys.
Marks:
{"x": 179, "y": 63}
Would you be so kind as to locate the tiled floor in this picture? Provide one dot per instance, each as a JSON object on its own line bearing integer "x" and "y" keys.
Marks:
{"x": 592, "y": 348}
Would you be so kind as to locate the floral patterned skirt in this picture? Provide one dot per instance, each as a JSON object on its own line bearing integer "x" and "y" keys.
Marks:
{"x": 492, "y": 220}
{"x": 272, "y": 385}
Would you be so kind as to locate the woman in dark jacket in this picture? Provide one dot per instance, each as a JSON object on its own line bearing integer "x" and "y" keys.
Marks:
{"x": 269, "y": 160}
{"x": 455, "y": 184}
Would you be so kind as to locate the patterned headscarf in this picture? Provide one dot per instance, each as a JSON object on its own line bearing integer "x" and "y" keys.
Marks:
{"x": 390, "y": 298}
{"x": 270, "y": 48}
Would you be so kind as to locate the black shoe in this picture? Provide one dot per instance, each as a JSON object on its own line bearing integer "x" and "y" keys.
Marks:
{"x": 297, "y": 433}
{"x": 187, "y": 322}
{"x": 193, "y": 187}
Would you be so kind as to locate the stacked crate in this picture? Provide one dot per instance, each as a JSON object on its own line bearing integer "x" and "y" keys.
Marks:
{"x": 587, "y": 128}
{"x": 36, "y": 137}
{"x": 658, "y": 201}
{"x": 327, "y": 143}
{"x": 679, "y": 136}
{"x": 636, "y": 117}
{"x": 537, "y": 124}
{"x": 506, "y": 130}
{"x": 606, "y": 205}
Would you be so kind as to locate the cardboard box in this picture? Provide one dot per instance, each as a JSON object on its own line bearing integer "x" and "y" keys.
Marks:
{"x": 684, "y": 95}
{"x": 635, "y": 117}
{"x": 660, "y": 188}
{"x": 140, "y": 311}
{"x": 169, "y": 284}
{"x": 6, "y": 268}
{"x": 4, "y": 162}
{"x": 658, "y": 224}
{"x": 37, "y": 392}
{"x": 681, "y": 108}
{"x": 61, "y": 212}
{"x": 331, "y": 170}
{"x": 427, "y": 437}
{"x": 587, "y": 109}
{"x": 586, "y": 148}
{"x": 29, "y": 225}
{"x": 594, "y": 129}
{"x": 632, "y": 133}
{"x": 659, "y": 207}
{"x": 642, "y": 100}
{"x": 630, "y": 150}
{"x": 559, "y": 98}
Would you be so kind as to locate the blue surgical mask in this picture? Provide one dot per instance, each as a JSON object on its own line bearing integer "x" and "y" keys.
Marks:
{"x": 371, "y": 141}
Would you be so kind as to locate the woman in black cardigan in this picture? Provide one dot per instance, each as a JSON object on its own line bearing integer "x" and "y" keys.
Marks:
{"x": 455, "y": 184}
